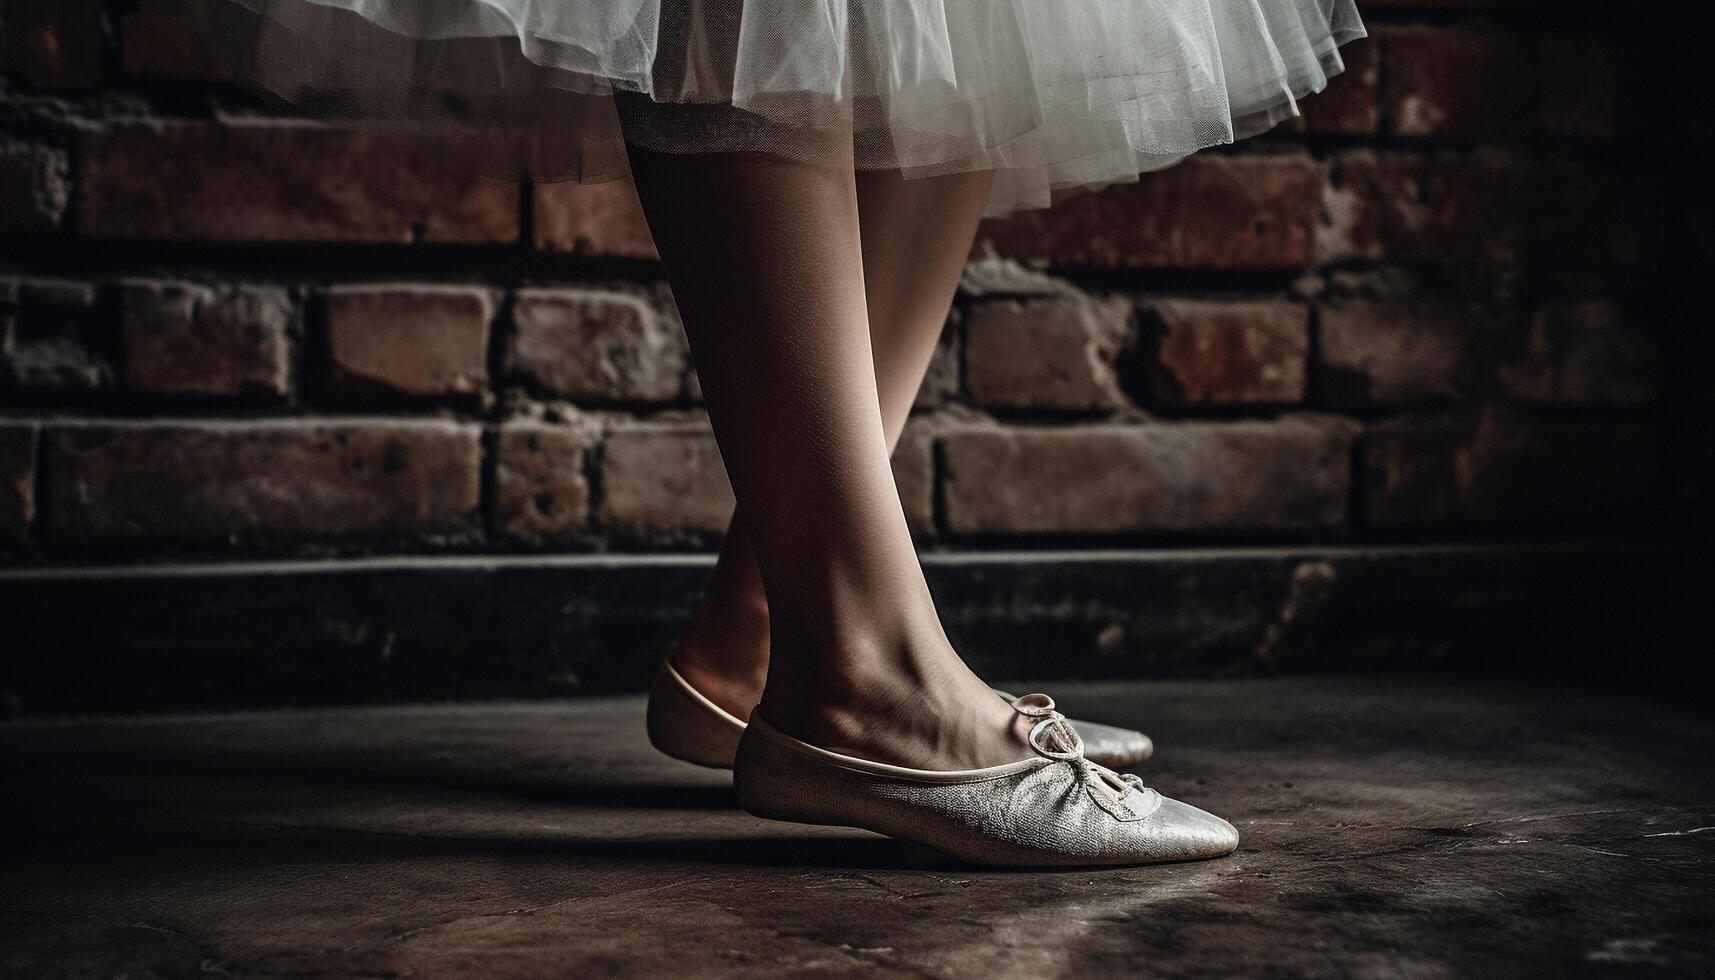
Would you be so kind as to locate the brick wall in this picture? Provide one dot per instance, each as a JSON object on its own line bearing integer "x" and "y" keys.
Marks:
{"x": 1432, "y": 308}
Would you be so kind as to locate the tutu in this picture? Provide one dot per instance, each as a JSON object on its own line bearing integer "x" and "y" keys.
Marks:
{"x": 1054, "y": 95}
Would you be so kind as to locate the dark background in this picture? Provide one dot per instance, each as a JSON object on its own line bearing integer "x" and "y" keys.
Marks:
{"x": 1414, "y": 383}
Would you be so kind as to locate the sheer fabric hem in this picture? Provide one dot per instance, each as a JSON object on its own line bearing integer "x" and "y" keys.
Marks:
{"x": 1056, "y": 96}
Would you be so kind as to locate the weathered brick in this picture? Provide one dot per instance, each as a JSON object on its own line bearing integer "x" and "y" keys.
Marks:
{"x": 1580, "y": 79}
{"x": 255, "y": 180}
{"x": 55, "y": 340}
{"x": 541, "y": 489}
{"x": 34, "y": 187}
{"x": 17, "y": 479}
{"x": 992, "y": 276}
{"x": 1588, "y": 216}
{"x": 1167, "y": 476}
{"x": 1582, "y": 352}
{"x": 1428, "y": 470}
{"x": 603, "y": 219}
{"x": 186, "y": 339}
{"x": 274, "y": 481}
{"x": 1353, "y": 220}
{"x": 1220, "y": 353}
{"x": 411, "y": 339}
{"x": 1384, "y": 354}
{"x": 1350, "y": 105}
{"x": 185, "y": 39}
{"x": 1451, "y": 208}
{"x": 65, "y": 294}
{"x": 1211, "y": 211}
{"x": 664, "y": 477}
{"x": 914, "y": 473}
{"x": 941, "y": 378}
{"x": 57, "y": 44}
{"x": 1046, "y": 353}
{"x": 1459, "y": 83}
{"x": 596, "y": 345}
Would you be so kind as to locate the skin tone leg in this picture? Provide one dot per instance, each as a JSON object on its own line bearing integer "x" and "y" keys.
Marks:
{"x": 766, "y": 262}
{"x": 915, "y": 235}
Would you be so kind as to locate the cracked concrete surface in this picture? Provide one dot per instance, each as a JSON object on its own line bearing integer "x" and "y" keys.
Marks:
{"x": 1392, "y": 828}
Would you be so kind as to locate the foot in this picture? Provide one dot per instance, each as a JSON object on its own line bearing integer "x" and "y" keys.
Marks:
{"x": 1052, "y": 809}
{"x": 724, "y": 655}
{"x": 917, "y": 706}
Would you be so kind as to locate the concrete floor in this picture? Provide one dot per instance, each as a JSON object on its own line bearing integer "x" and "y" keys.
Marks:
{"x": 1392, "y": 828}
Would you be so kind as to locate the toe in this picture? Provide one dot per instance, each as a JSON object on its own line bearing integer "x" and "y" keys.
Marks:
{"x": 1189, "y": 833}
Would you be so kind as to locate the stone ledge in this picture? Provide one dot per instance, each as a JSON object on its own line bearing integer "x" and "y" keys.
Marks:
{"x": 404, "y": 629}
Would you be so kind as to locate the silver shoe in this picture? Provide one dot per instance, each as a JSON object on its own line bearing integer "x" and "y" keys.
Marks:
{"x": 689, "y": 727}
{"x": 1107, "y": 745}
{"x": 1055, "y": 809}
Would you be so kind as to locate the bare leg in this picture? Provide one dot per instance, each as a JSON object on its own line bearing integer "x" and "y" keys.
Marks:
{"x": 916, "y": 235}
{"x": 766, "y": 262}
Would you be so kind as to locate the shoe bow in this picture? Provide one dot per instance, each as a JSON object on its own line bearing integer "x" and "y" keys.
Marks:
{"x": 1053, "y": 737}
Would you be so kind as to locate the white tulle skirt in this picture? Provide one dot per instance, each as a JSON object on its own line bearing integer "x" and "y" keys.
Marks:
{"x": 1054, "y": 95}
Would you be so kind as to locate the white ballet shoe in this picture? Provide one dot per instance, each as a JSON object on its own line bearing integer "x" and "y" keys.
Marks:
{"x": 689, "y": 727}
{"x": 1056, "y": 808}
{"x": 1107, "y": 745}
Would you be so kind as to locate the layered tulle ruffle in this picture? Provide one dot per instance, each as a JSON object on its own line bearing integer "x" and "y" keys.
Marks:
{"x": 1055, "y": 95}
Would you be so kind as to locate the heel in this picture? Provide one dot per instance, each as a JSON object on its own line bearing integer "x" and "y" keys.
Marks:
{"x": 774, "y": 783}
{"x": 687, "y": 726}
{"x": 762, "y": 779}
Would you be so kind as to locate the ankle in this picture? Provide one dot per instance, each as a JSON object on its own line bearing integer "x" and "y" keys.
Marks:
{"x": 917, "y": 706}
{"x": 724, "y": 653}
{"x": 743, "y": 601}
{"x": 829, "y": 692}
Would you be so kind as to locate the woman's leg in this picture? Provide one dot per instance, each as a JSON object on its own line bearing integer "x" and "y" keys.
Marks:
{"x": 916, "y": 235}
{"x": 916, "y": 238}
{"x": 766, "y": 262}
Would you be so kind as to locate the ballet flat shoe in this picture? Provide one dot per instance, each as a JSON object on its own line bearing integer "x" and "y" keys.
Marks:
{"x": 1055, "y": 808}
{"x": 1108, "y": 745}
{"x": 689, "y": 727}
